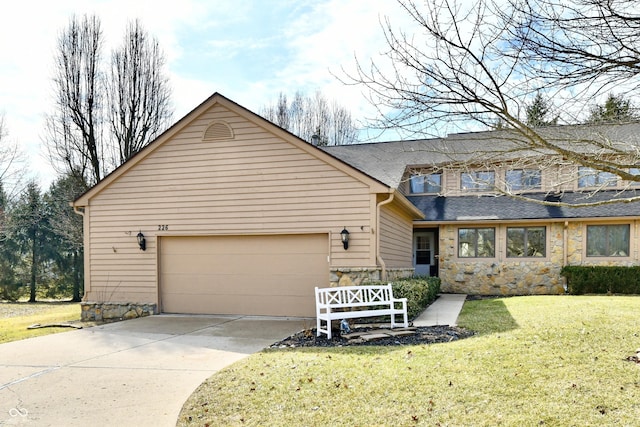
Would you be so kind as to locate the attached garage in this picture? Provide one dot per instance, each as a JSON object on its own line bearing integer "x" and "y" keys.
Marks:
{"x": 238, "y": 216}
{"x": 271, "y": 275}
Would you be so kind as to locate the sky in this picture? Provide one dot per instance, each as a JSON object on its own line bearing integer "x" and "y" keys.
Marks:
{"x": 247, "y": 50}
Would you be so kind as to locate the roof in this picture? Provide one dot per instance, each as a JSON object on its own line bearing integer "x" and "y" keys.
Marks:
{"x": 217, "y": 98}
{"x": 387, "y": 161}
{"x": 501, "y": 208}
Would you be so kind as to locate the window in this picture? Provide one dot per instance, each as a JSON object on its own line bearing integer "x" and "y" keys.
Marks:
{"x": 588, "y": 177}
{"x": 526, "y": 241}
{"x": 523, "y": 179}
{"x": 634, "y": 171}
{"x": 608, "y": 240}
{"x": 430, "y": 183}
{"x": 477, "y": 181}
{"x": 423, "y": 250}
{"x": 476, "y": 242}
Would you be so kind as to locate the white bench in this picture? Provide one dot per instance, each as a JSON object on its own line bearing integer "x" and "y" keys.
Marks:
{"x": 370, "y": 300}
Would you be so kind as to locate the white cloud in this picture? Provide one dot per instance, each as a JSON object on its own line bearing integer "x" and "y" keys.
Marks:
{"x": 249, "y": 51}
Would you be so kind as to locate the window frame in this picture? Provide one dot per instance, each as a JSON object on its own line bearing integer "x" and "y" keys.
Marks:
{"x": 525, "y": 175}
{"x": 477, "y": 183}
{"x": 634, "y": 171}
{"x": 426, "y": 186}
{"x": 608, "y": 238}
{"x": 601, "y": 179}
{"x": 525, "y": 239}
{"x": 475, "y": 252}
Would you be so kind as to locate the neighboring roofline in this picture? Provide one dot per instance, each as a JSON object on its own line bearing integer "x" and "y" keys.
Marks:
{"x": 217, "y": 98}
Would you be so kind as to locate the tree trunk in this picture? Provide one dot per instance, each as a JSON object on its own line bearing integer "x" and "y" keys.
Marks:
{"x": 34, "y": 267}
{"x": 77, "y": 277}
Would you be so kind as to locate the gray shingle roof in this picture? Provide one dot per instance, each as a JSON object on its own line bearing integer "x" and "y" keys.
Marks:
{"x": 476, "y": 208}
{"x": 387, "y": 161}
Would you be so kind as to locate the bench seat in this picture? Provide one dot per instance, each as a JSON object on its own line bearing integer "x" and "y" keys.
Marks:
{"x": 371, "y": 301}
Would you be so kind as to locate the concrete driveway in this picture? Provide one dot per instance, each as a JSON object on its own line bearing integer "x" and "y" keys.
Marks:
{"x": 133, "y": 373}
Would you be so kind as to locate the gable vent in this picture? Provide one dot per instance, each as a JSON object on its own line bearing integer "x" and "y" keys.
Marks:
{"x": 217, "y": 131}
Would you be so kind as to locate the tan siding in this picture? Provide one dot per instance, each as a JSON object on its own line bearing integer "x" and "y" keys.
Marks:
{"x": 254, "y": 184}
{"x": 396, "y": 236}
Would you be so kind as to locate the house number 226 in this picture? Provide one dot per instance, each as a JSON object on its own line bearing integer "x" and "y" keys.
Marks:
{"x": 163, "y": 228}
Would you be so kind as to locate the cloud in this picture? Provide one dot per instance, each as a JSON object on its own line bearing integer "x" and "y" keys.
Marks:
{"x": 249, "y": 51}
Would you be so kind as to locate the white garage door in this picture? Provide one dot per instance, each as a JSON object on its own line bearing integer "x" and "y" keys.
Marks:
{"x": 252, "y": 275}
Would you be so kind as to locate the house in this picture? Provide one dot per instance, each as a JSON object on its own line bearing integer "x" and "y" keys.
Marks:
{"x": 226, "y": 213}
{"x": 238, "y": 216}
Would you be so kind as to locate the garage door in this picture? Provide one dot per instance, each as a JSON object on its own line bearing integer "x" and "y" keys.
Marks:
{"x": 252, "y": 275}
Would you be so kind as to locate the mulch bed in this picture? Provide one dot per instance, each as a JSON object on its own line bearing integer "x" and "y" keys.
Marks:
{"x": 422, "y": 335}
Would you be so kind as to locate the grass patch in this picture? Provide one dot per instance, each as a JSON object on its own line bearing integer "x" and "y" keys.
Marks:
{"x": 544, "y": 360}
{"x": 15, "y": 318}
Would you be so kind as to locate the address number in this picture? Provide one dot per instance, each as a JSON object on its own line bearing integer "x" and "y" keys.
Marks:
{"x": 163, "y": 228}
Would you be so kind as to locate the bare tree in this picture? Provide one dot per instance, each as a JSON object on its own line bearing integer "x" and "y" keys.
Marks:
{"x": 467, "y": 66}
{"x": 12, "y": 168}
{"x": 138, "y": 92}
{"x": 313, "y": 118}
{"x": 100, "y": 118}
{"x": 74, "y": 128}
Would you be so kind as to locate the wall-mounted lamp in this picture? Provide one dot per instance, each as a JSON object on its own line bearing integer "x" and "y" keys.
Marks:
{"x": 142, "y": 242}
{"x": 344, "y": 236}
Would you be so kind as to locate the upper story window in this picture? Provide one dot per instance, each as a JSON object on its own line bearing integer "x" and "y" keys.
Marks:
{"x": 478, "y": 181}
{"x": 608, "y": 240}
{"x": 476, "y": 242}
{"x": 634, "y": 171}
{"x": 429, "y": 183}
{"x": 589, "y": 177}
{"x": 523, "y": 179}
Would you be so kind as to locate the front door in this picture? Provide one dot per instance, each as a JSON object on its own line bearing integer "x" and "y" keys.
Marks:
{"x": 423, "y": 252}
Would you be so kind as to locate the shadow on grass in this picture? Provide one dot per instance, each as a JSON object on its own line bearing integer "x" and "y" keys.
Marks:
{"x": 487, "y": 316}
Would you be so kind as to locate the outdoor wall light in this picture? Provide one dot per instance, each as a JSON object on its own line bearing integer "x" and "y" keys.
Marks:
{"x": 142, "y": 242}
{"x": 344, "y": 236}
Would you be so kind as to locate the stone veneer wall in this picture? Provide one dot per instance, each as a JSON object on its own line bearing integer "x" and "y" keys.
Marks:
{"x": 501, "y": 275}
{"x": 107, "y": 311}
{"x": 362, "y": 276}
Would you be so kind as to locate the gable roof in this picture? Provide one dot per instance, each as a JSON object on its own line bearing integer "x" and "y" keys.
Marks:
{"x": 216, "y": 98}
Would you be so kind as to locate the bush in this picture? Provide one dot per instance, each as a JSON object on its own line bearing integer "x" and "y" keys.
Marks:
{"x": 419, "y": 292}
{"x": 602, "y": 279}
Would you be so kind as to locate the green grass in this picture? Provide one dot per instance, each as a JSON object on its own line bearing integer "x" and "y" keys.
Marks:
{"x": 15, "y": 318}
{"x": 549, "y": 360}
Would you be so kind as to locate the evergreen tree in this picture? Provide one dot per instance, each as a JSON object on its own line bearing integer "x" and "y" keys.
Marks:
{"x": 538, "y": 111}
{"x": 615, "y": 109}
{"x": 30, "y": 226}
{"x": 66, "y": 237}
{"x": 9, "y": 285}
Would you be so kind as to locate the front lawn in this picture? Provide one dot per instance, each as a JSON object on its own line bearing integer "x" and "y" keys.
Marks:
{"x": 16, "y": 317}
{"x": 548, "y": 360}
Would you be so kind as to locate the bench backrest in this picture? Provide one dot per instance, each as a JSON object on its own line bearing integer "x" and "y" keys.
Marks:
{"x": 354, "y": 296}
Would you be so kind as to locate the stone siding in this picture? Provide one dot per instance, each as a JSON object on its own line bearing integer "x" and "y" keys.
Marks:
{"x": 362, "y": 276}
{"x": 501, "y": 275}
{"x": 96, "y": 311}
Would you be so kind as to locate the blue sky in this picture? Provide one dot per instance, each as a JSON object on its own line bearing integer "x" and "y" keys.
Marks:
{"x": 247, "y": 50}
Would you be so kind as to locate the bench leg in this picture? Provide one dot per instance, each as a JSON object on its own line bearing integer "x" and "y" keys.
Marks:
{"x": 319, "y": 329}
